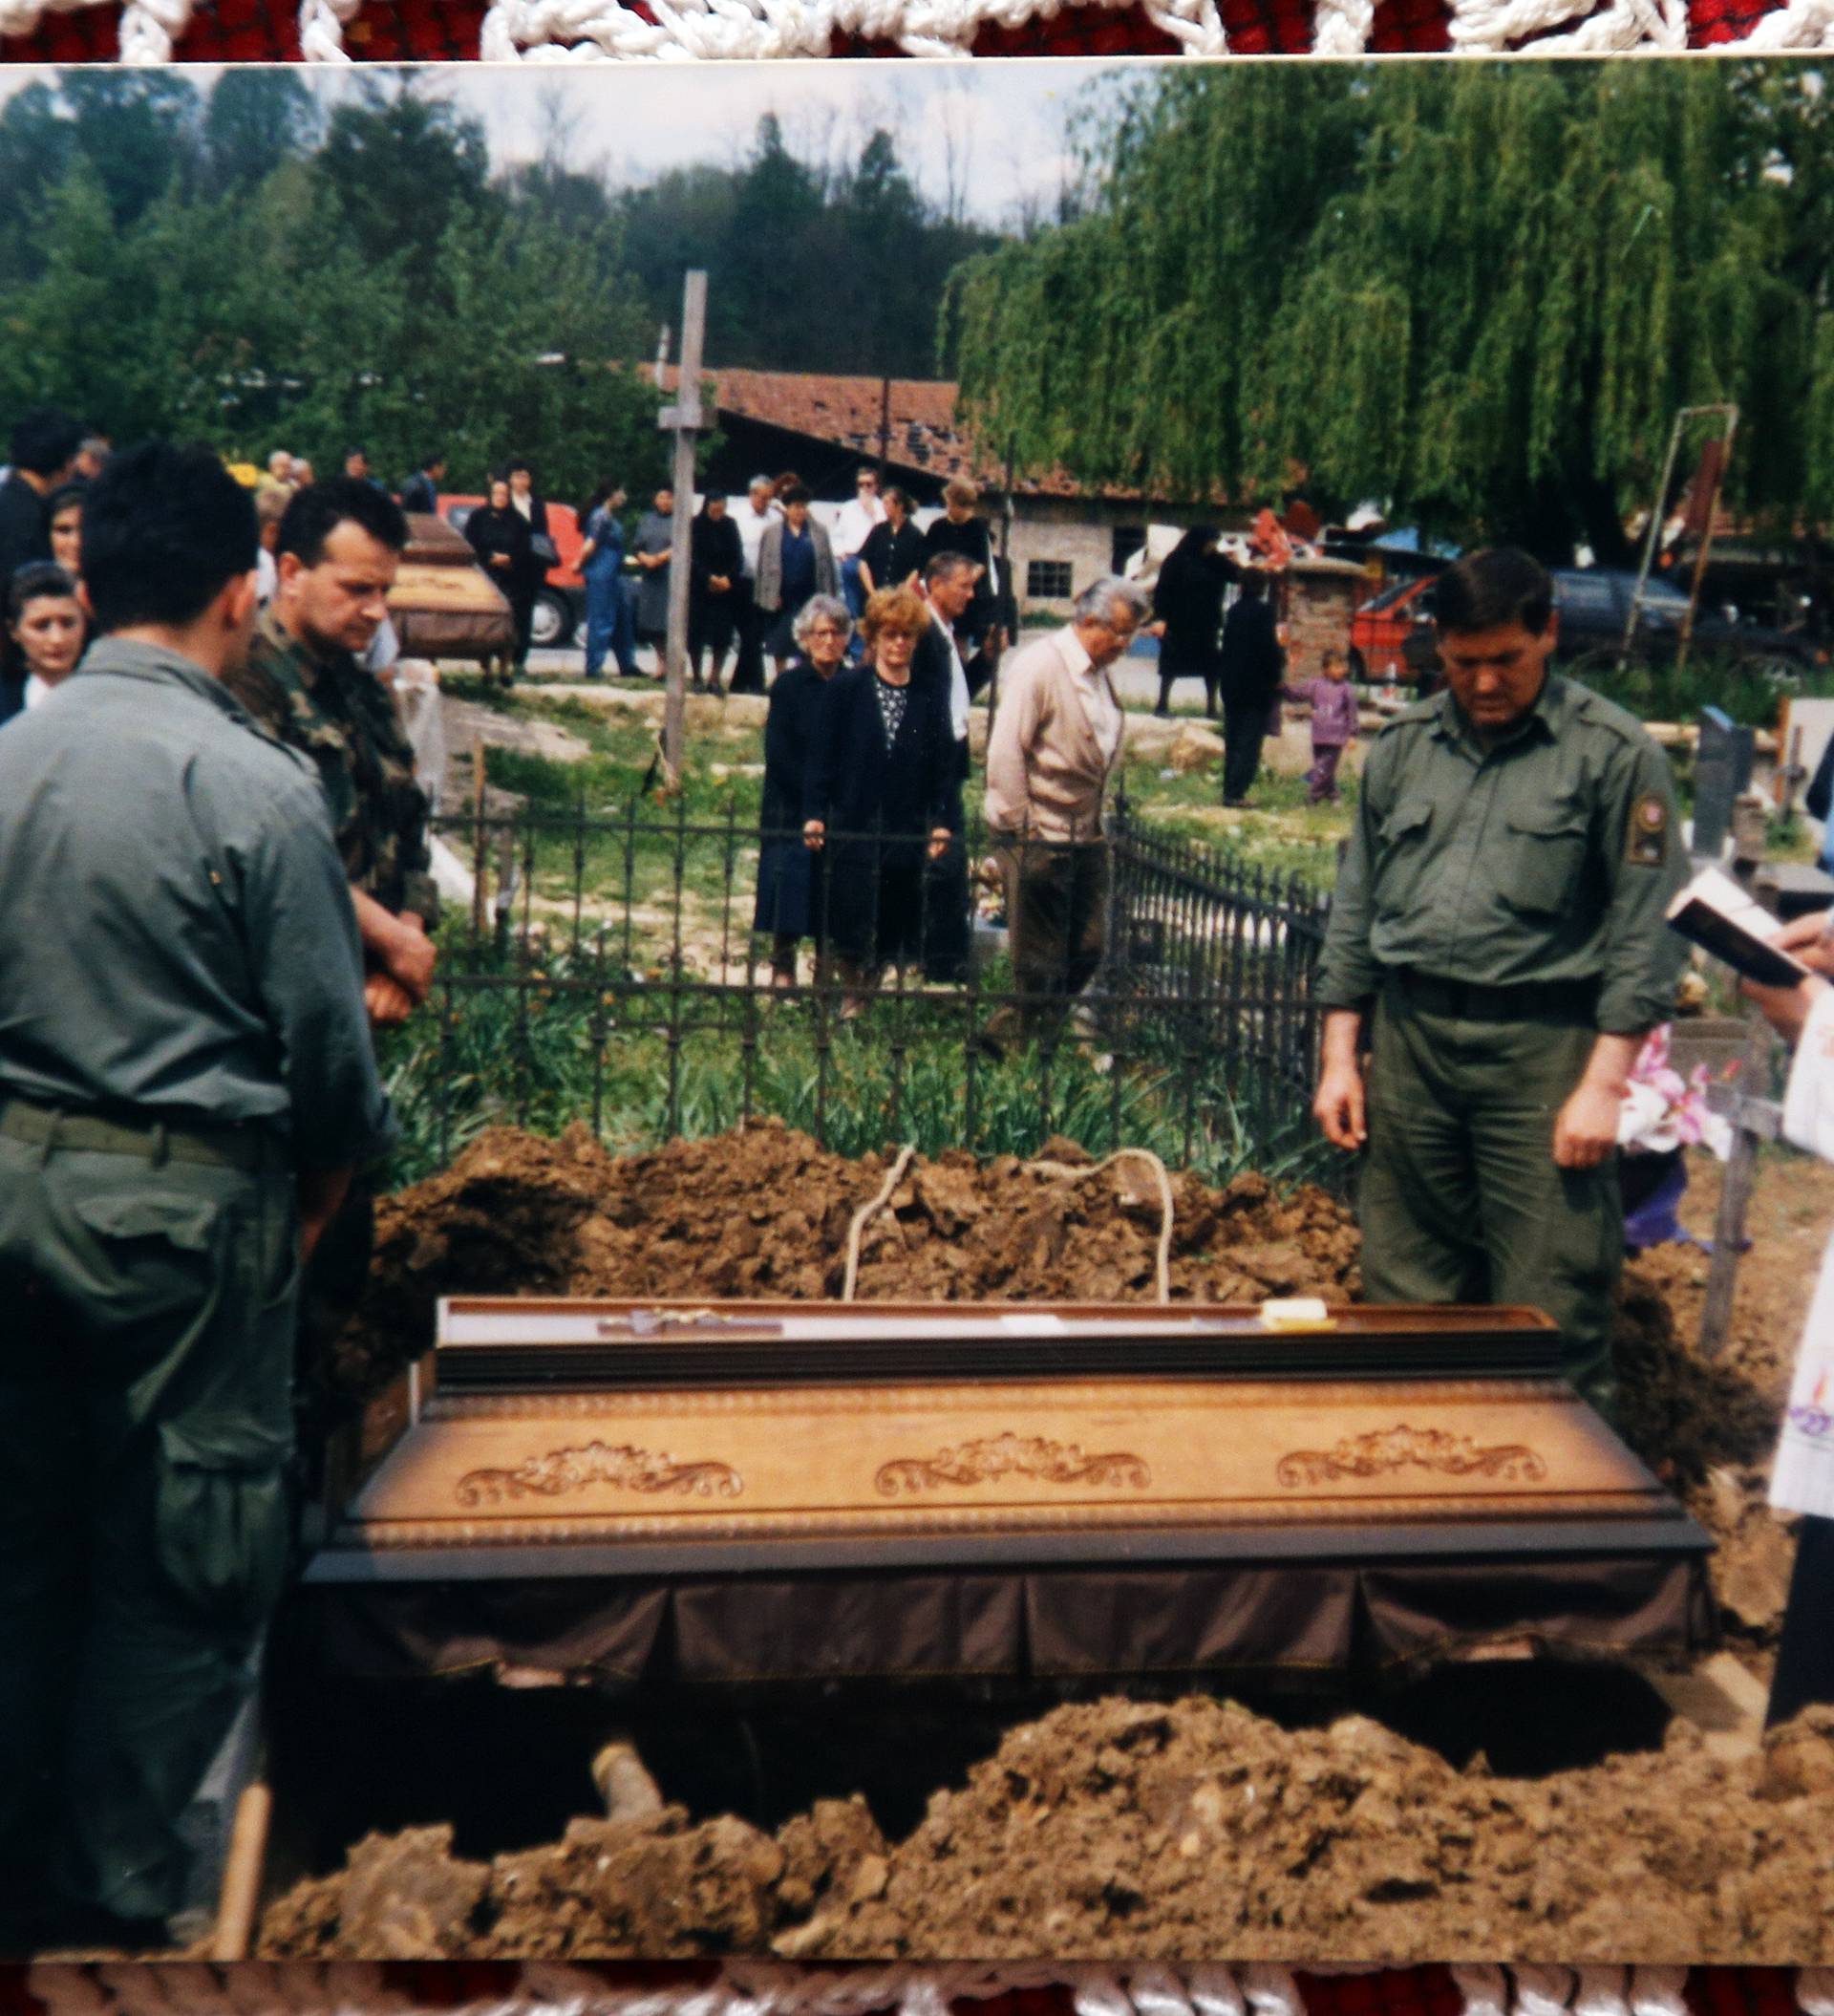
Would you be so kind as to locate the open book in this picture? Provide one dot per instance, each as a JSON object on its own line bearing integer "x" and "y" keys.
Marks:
{"x": 1719, "y": 917}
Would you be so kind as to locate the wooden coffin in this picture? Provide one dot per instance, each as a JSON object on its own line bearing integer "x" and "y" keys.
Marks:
{"x": 590, "y": 1438}
{"x": 443, "y": 604}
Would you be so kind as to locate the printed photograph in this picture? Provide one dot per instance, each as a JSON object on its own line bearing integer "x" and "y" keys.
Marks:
{"x": 915, "y": 1035}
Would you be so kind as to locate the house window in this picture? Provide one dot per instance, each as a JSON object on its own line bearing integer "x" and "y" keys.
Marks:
{"x": 1047, "y": 580}
{"x": 1128, "y": 541}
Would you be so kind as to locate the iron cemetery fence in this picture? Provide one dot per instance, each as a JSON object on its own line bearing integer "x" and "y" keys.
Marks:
{"x": 606, "y": 970}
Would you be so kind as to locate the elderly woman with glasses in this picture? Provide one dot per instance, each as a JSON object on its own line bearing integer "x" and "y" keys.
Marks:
{"x": 879, "y": 799}
{"x": 823, "y": 630}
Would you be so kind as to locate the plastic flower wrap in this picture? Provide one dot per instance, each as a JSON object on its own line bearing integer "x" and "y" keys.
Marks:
{"x": 1663, "y": 1111}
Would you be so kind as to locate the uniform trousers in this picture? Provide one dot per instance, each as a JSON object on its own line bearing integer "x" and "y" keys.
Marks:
{"x": 146, "y": 1439}
{"x": 1460, "y": 1198}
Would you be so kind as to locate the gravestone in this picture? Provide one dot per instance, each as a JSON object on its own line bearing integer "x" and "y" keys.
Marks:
{"x": 1721, "y": 770}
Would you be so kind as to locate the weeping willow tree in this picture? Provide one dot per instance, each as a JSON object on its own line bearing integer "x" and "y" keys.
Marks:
{"x": 1479, "y": 293}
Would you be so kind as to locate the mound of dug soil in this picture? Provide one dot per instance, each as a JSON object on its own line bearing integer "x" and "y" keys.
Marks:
{"x": 1118, "y": 1828}
{"x": 764, "y": 1211}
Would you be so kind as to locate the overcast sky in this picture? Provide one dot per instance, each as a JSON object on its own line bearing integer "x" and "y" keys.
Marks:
{"x": 1006, "y": 119}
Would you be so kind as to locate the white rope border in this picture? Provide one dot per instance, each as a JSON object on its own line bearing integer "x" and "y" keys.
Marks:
{"x": 596, "y": 31}
{"x": 774, "y": 1989}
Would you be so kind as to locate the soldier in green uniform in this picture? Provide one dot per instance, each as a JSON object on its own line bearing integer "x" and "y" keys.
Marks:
{"x": 186, "y": 1081}
{"x": 337, "y": 554}
{"x": 1497, "y": 938}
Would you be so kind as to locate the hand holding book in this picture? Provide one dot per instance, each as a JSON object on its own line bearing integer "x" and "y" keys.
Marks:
{"x": 1719, "y": 917}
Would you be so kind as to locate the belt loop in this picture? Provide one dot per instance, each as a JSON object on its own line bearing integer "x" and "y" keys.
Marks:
{"x": 49, "y": 1141}
{"x": 159, "y": 1145}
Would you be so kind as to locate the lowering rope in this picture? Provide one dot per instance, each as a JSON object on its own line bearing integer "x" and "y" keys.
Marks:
{"x": 1070, "y": 1173}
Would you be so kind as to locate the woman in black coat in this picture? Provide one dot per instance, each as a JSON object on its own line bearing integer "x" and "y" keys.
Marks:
{"x": 717, "y": 565}
{"x": 500, "y": 536}
{"x": 1189, "y": 601}
{"x": 894, "y": 551}
{"x": 823, "y": 630}
{"x": 880, "y": 779}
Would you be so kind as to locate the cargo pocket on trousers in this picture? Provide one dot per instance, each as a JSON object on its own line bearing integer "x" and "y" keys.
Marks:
{"x": 150, "y": 1252}
{"x": 221, "y": 1515}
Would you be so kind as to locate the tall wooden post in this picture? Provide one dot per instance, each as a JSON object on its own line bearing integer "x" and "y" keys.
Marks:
{"x": 684, "y": 419}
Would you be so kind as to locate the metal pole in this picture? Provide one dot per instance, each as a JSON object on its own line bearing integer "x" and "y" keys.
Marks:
{"x": 684, "y": 421}
{"x": 1649, "y": 544}
{"x": 1706, "y": 537}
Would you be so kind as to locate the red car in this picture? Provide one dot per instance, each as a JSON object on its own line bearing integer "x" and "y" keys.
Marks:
{"x": 560, "y": 603}
{"x": 1380, "y": 631}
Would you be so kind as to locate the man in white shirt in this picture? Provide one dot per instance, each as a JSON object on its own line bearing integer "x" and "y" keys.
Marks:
{"x": 851, "y": 530}
{"x": 754, "y": 518}
{"x": 1054, "y": 745}
{"x": 949, "y": 589}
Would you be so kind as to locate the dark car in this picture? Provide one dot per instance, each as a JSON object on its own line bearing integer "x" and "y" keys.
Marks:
{"x": 1593, "y": 606}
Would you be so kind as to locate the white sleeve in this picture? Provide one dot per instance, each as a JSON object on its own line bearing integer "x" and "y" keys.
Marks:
{"x": 1804, "y": 1478}
{"x": 1808, "y": 1104}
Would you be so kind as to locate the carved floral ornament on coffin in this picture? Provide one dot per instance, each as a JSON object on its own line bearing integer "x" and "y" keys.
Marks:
{"x": 623, "y": 1467}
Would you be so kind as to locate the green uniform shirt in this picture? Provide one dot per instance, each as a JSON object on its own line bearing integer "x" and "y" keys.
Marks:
{"x": 176, "y": 941}
{"x": 343, "y": 719}
{"x": 1551, "y": 855}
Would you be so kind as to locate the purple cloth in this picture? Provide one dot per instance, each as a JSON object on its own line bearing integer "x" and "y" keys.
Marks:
{"x": 1333, "y": 710}
{"x": 1321, "y": 779}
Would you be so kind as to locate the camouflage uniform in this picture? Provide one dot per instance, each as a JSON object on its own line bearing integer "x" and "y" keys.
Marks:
{"x": 342, "y": 718}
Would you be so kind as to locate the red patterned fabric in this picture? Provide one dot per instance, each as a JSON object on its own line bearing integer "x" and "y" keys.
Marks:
{"x": 389, "y": 30}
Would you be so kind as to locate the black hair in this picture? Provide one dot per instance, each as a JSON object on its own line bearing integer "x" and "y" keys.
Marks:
{"x": 357, "y": 449}
{"x": 30, "y": 583}
{"x": 430, "y": 462}
{"x": 1254, "y": 585}
{"x": 516, "y": 462}
{"x": 45, "y": 441}
{"x": 793, "y": 493}
{"x": 904, "y": 499}
{"x": 33, "y": 582}
{"x": 1492, "y": 589}
{"x": 64, "y": 496}
{"x": 315, "y": 512}
{"x": 165, "y": 530}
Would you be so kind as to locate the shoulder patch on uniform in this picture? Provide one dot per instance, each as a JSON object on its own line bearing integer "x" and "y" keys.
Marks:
{"x": 1648, "y": 846}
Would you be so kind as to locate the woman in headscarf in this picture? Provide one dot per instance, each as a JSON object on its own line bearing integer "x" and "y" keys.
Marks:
{"x": 716, "y": 565}
{"x": 823, "y": 630}
{"x": 1189, "y": 601}
{"x": 877, "y": 801}
{"x": 499, "y": 535}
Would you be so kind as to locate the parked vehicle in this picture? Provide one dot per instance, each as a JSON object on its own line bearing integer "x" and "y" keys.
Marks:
{"x": 560, "y": 601}
{"x": 1593, "y": 606}
{"x": 1380, "y": 631}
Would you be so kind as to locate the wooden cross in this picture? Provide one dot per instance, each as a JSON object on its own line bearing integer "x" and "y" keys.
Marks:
{"x": 686, "y": 421}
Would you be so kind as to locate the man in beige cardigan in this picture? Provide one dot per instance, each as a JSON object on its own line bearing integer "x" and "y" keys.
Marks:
{"x": 1056, "y": 740}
